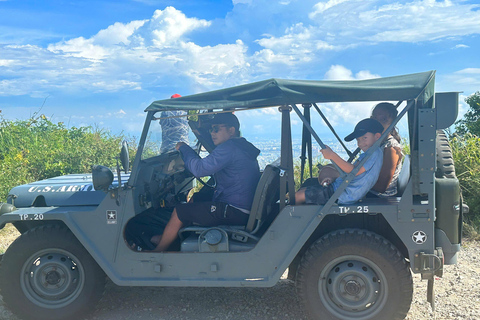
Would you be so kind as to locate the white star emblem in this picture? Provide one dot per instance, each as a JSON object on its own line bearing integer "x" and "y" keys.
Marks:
{"x": 419, "y": 237}
{"x": 111, "y": 217}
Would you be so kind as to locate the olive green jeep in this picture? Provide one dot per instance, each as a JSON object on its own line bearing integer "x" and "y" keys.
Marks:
{"x": 348, "y": 261}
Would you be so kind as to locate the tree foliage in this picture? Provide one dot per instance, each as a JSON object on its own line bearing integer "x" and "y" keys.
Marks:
{"x": 466, "y": 155}
{"x": 471, "y": 121}
{"x": 37, "y": 148}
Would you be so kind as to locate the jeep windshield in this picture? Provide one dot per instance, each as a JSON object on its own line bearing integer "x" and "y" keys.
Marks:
{"x": 166, "y": 129}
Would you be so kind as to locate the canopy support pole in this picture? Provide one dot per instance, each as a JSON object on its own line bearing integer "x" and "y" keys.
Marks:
{"x": 287, "y": 183}
{"x": 332, "y": 129}
{"x": 315, "y": 135}
{"x": 306, "y": 143}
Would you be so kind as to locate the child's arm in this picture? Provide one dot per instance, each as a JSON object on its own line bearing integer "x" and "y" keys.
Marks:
{"x": 329, "y": 154}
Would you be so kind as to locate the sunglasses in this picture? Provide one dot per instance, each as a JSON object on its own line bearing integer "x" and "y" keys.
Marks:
{"x": 216, "y": 127}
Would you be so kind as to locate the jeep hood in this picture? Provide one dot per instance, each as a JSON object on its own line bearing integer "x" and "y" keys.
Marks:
{"x": 68, "y": 190}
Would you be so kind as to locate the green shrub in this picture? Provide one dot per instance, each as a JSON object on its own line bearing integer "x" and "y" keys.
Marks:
{"x": 37, "y": 149}
{"x": 306, "y": 174}
{"x": 466, "y": 154}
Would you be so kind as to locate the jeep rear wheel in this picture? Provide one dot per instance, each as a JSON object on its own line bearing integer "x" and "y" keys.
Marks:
{"x": 354, "y": 274}
{"x": 445, "y": 165}
{"x": 47, "y": 274}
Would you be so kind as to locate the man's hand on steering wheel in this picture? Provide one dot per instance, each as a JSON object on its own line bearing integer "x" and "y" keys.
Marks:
{"x": 212, "y": 178}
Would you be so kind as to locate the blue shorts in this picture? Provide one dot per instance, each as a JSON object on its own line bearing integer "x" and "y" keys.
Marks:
{"x": 210, "y": 213}
{"x": 317, "y": 194}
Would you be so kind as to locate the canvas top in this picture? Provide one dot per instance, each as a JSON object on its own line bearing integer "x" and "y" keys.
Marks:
{"x": 276, "y": 92}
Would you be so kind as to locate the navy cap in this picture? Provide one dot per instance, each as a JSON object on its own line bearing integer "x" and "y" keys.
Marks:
{"x": 227, "y": 118}
{"x": 364, "y": 126}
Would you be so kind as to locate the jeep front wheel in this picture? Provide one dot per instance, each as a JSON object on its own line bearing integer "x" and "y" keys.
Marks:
{"x": 47, "y": 274}
{"x": 354, "y": 274}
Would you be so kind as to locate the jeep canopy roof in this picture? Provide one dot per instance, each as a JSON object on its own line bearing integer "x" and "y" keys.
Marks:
{"x": 275, "y": 92}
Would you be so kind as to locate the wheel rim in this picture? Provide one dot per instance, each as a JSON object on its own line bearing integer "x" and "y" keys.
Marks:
{"x": 353, "y": 287}
{"x": 52, "y": 278}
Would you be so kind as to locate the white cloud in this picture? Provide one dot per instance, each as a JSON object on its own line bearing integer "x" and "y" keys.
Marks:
{"x": 466, "y": 80}
{"x": 120, "y": 113}
{"x": 165, "y": 28}
{"x": 287, "y": 40}
{"x": 298, "y": 40}
{"x": 270, "y": 111}
{"x": 125, "y": 57}
{"x": 354, "y": 22}
{"x": 367, "y": 23}
{"x": 212, "y": 67}
{"x": 339, "y": 72}
{"x": 474, "y": 71}
{"x": 427, "y": 20}
{"x": 118, "y": 33}
{"x": 236, "y": 2}
{"x": 350, "y": 112}
{"x": 365, "y": 74}
{"x": 462, "y": 106}
{"x": 347, "y": 112}
{"x": 5, "y": 63}
{"x": 461, "y": 46}
{"x": 299, "y": 46}
{"x": 116, "y": 85}
{"x": 170, "y": 25}
{"x": 323, "y": 6}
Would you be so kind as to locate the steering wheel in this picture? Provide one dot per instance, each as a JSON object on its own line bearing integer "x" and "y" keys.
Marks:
{"x": 211, "y": 182}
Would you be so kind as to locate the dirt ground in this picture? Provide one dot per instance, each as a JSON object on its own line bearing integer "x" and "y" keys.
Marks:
{"x": 457, "y": 297}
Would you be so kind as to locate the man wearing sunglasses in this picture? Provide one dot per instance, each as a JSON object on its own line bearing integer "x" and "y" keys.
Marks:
{"x": 234, "y": 164}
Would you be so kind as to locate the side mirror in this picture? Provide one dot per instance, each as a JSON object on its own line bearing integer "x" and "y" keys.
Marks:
{"x": 124, "y": 157}
{"x": 102, "y": 178}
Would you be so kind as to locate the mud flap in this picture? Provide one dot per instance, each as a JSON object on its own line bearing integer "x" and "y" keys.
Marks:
{"x": 431, "y": 293}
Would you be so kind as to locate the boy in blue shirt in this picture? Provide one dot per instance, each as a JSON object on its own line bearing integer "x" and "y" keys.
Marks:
{"x": 367, "y": 132}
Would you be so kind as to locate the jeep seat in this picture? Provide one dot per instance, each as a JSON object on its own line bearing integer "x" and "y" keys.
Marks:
{"x": 404, "y": 176}
{"x": 266, "y": 196}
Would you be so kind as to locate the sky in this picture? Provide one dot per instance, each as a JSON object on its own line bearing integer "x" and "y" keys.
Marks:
{"x": 101, "y": 63}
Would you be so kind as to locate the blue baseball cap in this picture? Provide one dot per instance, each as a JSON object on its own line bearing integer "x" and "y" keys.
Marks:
{"x": 364, "y": 126}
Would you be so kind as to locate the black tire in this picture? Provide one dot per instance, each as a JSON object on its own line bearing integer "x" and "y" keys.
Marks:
{"x": 354, "y": 274}
{"x": 47, "y": 274}
{"x": 445, "y": 165}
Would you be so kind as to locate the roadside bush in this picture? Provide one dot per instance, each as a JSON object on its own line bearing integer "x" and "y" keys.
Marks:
{"x": 37, "y": 149}
{"x": 466, "y": 154}
{"x": 306, "y": 174}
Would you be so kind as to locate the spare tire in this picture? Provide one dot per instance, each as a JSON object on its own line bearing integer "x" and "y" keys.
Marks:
{"x": 445, "y": 165}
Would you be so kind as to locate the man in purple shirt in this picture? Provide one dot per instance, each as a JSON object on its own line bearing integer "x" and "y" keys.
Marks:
{"x": 234, "y": 165}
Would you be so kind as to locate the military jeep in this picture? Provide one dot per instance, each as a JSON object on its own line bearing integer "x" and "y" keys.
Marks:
{"x": 348, "y": 261}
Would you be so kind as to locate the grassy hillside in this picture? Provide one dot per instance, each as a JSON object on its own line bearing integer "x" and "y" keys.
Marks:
{"x": 37, "y": 148}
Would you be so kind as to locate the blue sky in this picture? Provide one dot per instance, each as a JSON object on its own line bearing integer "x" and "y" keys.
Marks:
{"x": 103, "y": 62}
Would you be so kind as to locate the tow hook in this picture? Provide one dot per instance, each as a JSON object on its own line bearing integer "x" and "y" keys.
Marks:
{"x": 430, "y": 265}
